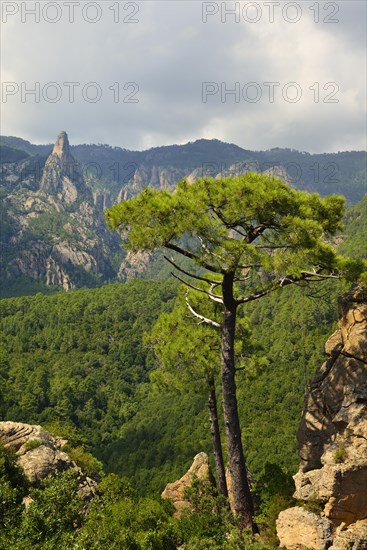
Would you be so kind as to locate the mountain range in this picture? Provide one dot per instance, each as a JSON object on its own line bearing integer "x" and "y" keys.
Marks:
{"x": 53, "y": 232}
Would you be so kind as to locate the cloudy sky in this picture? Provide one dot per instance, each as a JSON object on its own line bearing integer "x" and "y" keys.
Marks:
{"x": 141, "y": 74}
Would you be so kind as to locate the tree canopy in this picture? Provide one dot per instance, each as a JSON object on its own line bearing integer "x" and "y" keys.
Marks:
{"x": 249, "y": 223}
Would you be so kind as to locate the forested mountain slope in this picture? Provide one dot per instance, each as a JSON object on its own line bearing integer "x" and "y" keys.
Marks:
{"x": 78, "y": 359}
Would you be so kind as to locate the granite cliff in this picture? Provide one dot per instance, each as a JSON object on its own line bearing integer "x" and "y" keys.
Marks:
{"x": 332, "y": 439}
{"x": 54, "y": 234}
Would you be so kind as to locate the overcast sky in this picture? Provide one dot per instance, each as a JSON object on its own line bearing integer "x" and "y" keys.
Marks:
{"x": 154, "y": 73}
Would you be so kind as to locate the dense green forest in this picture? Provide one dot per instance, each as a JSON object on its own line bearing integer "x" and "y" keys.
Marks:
{"x": 77, "y": 361}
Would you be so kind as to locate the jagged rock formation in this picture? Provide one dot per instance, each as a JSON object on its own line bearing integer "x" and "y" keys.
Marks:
{"x": 333, "y": 443}
{"x": 134, "y": 265}
{"x": 175, "y": 491}
{"x": 62, "y": 180}
{"x": 102, "y": 200}
{"x": 57, "y": 235}
{"x": 40, "y": 454}
{"x": 156, "y": 176}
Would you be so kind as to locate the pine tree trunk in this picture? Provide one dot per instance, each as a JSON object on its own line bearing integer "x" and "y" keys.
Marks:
{"x": 217, "y": 446}
{"x": 242, "y": 499}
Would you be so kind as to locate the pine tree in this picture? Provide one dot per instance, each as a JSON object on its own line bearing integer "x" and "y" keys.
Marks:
{"x": 255, "y": 235}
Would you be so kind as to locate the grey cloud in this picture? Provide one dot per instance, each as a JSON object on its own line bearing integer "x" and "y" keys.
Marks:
{"x": 169, "y": 54}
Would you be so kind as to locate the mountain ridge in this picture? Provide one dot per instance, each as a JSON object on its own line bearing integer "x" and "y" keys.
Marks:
{"x": 116, "y": 169}
{"x": 53, "y": 231}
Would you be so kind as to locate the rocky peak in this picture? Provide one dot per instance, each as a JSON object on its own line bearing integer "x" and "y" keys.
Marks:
{"x": 62, "y": 180}
{"x": 62, "y": 146}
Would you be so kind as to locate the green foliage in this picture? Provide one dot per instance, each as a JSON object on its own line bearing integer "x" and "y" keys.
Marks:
{"x": 275, "y": 488}
{"x": 209, "y": 524}
{"x": 51, "y": 519}
{"x": 210, "y": 513}
{"x": 113, "y": 488}
{"x": 24, "y": 286}
{"x": 354, "y": 235}
{"x": 131, "y": 524}
{"x": 205, "y": 210}
{"x": 11, "y": 154}
{"x": 67, "y": 431}
{"x": 32, "y": 444}
{"x": 13, "y": 487}
{"x": 159, "y": 441}
{"x": 86, "y": 461}
{"x": 188, "y": 352}
{"x": 49, "y": 226}
{"x": 339, "y": 455}
{"x": 77, "y": 358}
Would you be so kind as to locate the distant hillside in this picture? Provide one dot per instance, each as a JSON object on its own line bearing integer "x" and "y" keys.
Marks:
{"x": 355, "y": 234}
{"x": 53, "y": 233}
{"x": 120, "y": 171}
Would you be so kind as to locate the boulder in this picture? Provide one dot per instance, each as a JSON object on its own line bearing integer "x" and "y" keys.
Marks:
{"x": 315, "y": 533}
{"x": 175, "y": 491}
{"x": 40, "y": 455}
{"x": 352, "y": 538}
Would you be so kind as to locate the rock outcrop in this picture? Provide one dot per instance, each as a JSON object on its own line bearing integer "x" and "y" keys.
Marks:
{"x": 134, "y": 265}
{"x": 175, "y": 491}
{"x": 332, "y": 441}
{"x": 57, "y": 234}
{"x": 300, "y": 528}
{"x": 62, "y": 178}
{"x": 40, "y": 454}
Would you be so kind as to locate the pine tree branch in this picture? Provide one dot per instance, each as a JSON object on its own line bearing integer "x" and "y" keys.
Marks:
{"x": 207, "y": 292}
{"x": 209, "y": 281}
{"x": 285, "y": 281}
{"x": 319, "y": 276}
{"x": 274, "y": 246}
{"x": 194, "y": 257}
{"x": 201, "y": 317}
{"x": 213, "y": 296}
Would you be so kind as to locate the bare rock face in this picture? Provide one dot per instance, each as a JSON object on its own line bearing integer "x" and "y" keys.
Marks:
{"x": 40, "y": 454}
{"x": 315, "y": 533}
{"x": 175, "y": 491}
{"x": 134, "y": 264}
{"x": 352, "y": 538}
{"x": 333, "y": 431}
{"x": 59, "y": 237}
{"x": 61, "y": 175}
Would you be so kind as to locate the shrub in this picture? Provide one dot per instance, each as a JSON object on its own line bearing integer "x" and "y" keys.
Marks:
{"x": 32, "y": 444}
{"x": 339, "y": 455}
